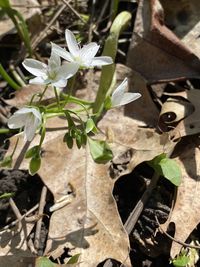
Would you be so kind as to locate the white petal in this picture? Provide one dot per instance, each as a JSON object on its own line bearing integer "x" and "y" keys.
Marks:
{"x": 88, "y": 52}
{"x": 127, "y": 98}
{"x": 61, "y": 52}
{"x": 119, "y": 92}
{"x": 67, "y": 70}
{"x": 17, "y": 121}
{"x": 101, "y": 61}
{"x": 26, "y": 110}
{"x": 54, "y": 61}
{"x": 38, "y": 80}
{"x": 60, "y": 83}
{"x": 36, "y": 113}
{"x": 30, "y": 127}
{"x": 71, "y": 43}
{"x": 35, "y": 67}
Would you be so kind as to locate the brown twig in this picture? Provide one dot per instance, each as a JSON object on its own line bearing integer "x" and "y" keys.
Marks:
{"x": 16, "y": 211}
{"x": 174, "y": 239}
{"x": 21, "y": 155}
{"x": 16, "y": 221}
{"x": 40, "y": 213}
{"x": 32, "y": 6}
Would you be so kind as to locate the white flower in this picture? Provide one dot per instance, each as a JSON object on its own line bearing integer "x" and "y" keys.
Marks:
{"x": 53, "y": 73}
{"x": 85, "y": 56}
{"x": 29, "y": 118}
{"x": 120, "y": 97}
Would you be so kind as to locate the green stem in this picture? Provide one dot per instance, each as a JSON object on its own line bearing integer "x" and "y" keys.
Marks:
{"x": 17, "y": 76}
{"x": 110, "y": 49}
{"x": 7, "y": 78}
{"x": 41, "y": 96}
{"x": 71, "y": 84}
{"x": 75, "y": 99}
{"x": 57, "y": 97}
{"x": 4, "y": 131}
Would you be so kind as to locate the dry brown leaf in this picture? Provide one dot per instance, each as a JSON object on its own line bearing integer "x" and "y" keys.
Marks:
{"x": 185, "y": 214}
{"x": 23, "y": 96}
{"x": 155, "y": 51}
{"x": 84, "y": 224}
{"x": 189, "y": 113}
{"x": 13, "y": 245}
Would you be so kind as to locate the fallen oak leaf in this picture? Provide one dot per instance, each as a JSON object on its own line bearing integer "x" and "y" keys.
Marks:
{"x": 188, "y": 118}
{"x": 84, "y": 225}
{"x": 165, "y": 56}
{"x": 185, "y": 214}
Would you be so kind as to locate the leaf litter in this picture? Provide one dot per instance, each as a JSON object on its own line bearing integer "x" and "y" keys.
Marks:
{"x": 84, "y": 223}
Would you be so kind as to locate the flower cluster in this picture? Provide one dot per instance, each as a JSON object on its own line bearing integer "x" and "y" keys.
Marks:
{"x": 56, "y": 74}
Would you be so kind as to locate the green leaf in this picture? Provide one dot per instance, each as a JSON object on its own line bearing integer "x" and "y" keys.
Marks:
{"x": 35, "y": 164}
{"x": 74, "y": 259}
{"x": 84, "y": 139}
{"x": 44, "y": 262}
{"x": 100, "y": 151}
{"x": 7, "y": 162}
{"x": 68, "y": 140}
{"x": 90, "y": 125}
{"x": 78, "y": 140}
{"x": 7, "y": 195}
{"x": 33, "y": 151}
{"x": 108, "y": 103}
{"x": 167, "y": 168}
{"x": 5, "y": 4}
{"x": 181, "y": 261}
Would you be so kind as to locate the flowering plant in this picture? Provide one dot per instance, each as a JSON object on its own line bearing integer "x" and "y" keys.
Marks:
{"x": 32, "y": 119}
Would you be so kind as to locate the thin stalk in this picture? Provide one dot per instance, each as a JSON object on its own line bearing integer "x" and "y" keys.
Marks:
{"x": 4, "y": 131}
{"x": 71, "y": 84}
{"x": 17, "y": 76}
{"x": 110, "y": 49}
{"x": 7, "y": 78}
{"x": 41, "y": 96}
{"x": 57, "y": 97}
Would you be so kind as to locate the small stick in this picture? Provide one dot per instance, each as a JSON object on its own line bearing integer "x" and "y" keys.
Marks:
{"x": 21, "y": 155}
{"x": 33, "y": 6}
{"x": 40, "y": 213}
{"x": 16, "y": 221}
{"x": 31, "y": 246}
{"x": 174, "y": 239}
{"x": 16, "y": 211}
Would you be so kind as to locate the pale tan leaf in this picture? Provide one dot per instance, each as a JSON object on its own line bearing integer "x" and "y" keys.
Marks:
{"x": 185, "y": 214}
{"x": 187, "y": 114}
{"x": 13, "y": 245}
{"x": 24, "y": 95}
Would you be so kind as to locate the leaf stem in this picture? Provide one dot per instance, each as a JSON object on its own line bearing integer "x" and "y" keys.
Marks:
{"x": 7, "y": 78}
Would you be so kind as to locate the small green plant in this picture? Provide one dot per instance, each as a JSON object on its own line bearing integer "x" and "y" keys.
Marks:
{"x": 167, "y": 168}
{"x": 54, "y": 76}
